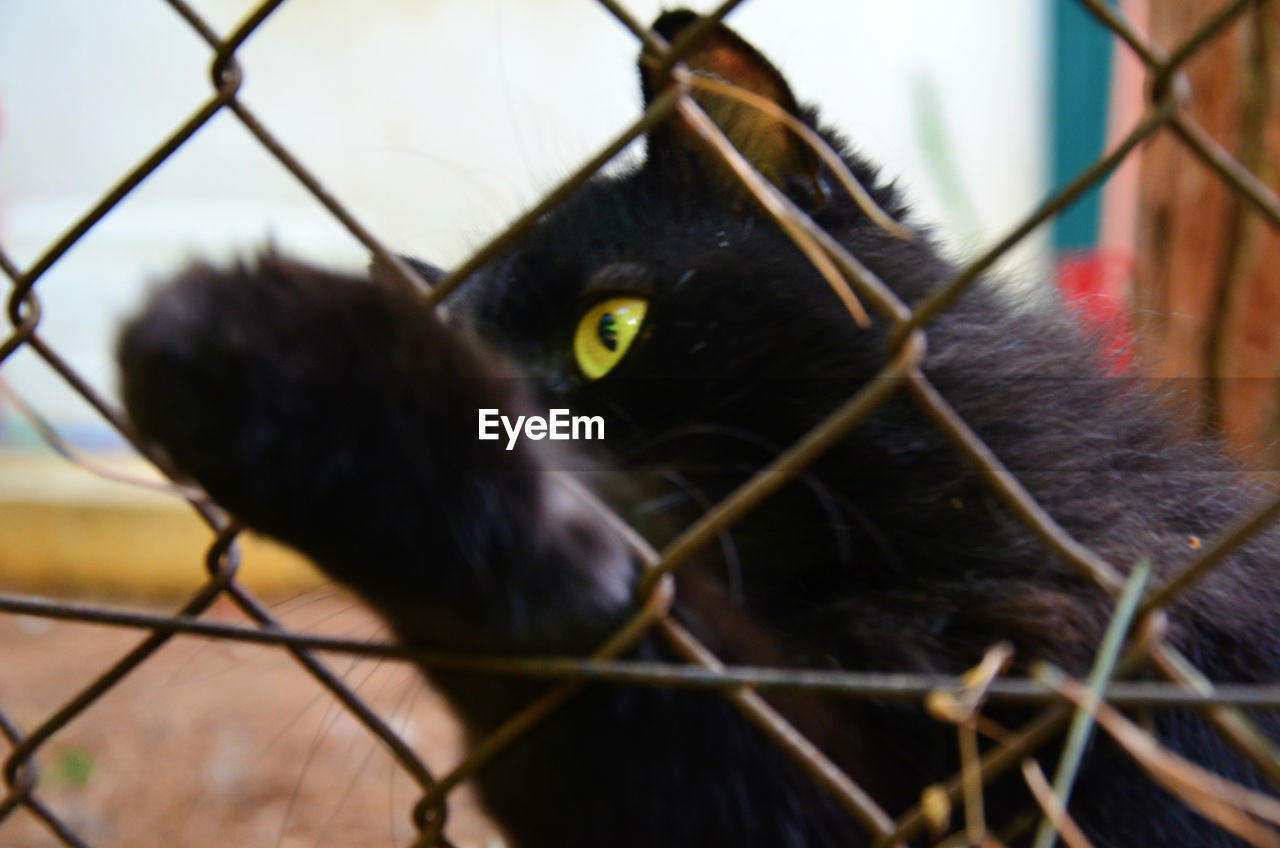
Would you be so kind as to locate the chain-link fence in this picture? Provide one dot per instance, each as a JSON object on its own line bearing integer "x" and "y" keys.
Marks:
{"x": 953, "y": 699}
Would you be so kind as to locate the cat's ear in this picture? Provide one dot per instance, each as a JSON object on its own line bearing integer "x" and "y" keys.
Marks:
{"x": 762, "y": 138}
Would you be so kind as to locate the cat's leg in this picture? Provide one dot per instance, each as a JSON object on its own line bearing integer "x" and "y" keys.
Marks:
{"x": 341, "y": 417}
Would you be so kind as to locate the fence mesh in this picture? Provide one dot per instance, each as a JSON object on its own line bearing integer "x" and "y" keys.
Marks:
{"x": 1168, "y": 95}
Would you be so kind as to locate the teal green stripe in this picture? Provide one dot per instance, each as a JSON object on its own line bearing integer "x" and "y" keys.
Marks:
{"x": 1080, "y": 81}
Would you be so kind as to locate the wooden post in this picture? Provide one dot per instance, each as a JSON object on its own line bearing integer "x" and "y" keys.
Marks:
{"x": 1207, "y": 279}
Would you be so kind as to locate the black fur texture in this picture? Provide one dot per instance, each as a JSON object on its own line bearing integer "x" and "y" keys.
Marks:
{"x": 339, "y": 415}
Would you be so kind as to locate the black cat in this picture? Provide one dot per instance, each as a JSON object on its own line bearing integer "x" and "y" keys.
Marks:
{"x": 340, "y": 415}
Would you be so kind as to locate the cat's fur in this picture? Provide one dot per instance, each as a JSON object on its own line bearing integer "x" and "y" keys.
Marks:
{"x": 339, "y": 415}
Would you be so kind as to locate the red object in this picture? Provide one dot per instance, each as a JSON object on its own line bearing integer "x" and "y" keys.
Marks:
{"x": 1094, "y": 286}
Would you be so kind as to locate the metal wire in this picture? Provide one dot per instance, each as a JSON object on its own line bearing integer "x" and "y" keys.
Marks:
{"x": 1187, "y": 688}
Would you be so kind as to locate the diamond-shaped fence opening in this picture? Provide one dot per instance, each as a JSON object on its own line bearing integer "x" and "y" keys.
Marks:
{"x": 1171, "y": 116}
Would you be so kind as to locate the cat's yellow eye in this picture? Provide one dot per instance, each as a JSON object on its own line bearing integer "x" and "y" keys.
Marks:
{"x": 605, "y": 332}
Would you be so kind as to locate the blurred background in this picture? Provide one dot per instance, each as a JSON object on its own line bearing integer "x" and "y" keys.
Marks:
{"x": 436, "y": 123}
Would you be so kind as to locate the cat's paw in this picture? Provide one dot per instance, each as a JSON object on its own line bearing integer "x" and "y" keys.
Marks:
{"x": 219, "y": 361}
{"x": 274, "y": 378}
{"x": 288, "y": 391}
{"x": 340, "y": 416}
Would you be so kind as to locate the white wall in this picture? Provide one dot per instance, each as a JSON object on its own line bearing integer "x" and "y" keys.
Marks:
{"x": 436, "y": 121}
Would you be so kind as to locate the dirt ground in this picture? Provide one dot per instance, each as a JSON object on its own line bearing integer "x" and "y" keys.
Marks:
{"x": 220, "y": 744}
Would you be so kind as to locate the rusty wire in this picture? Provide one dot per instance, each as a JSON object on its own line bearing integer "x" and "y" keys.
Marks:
{"x": 902, "y": 375}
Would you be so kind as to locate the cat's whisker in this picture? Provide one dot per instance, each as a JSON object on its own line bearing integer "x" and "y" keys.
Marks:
{"x": 371, "y": 749}
{"x": 835, "y": 509}
{"x": 401, "y": 708}
{"x": 186, "y": 674}
{"x": 333, "y": 713}
{"x": 659, "y": 503}
{"x": 877, "y": 537}
{"x": 414, "y": 691}
{"x": 622, "y": 415}
{"x": 732, "y": 562}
